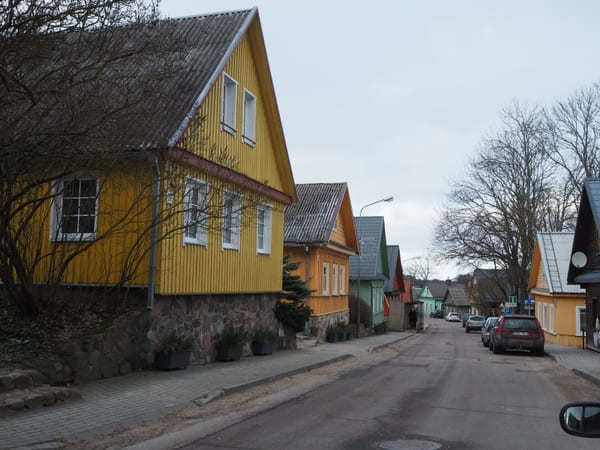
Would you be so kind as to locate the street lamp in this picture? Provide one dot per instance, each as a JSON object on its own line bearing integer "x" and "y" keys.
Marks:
{"x": 389, "y": 198}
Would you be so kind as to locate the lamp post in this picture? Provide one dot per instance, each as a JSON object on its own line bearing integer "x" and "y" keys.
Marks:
{"x": 385, "y": 199}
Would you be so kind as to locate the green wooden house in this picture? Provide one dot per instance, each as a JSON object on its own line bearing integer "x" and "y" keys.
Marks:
{"x": 371, "y": 266}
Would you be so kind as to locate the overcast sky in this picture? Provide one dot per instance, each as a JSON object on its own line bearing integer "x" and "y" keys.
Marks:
{"x": 393, "y": 96}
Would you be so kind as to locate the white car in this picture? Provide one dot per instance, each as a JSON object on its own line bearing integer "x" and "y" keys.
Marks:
{"x": 453, "y": 317}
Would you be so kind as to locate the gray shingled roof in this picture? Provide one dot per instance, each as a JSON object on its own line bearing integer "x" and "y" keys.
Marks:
{"x": 457, "y": 295}
{"x": 311, "y": 219}
{"x": 555, "y": 250}
{"x": 393, "y": 252}
{"x": 370, "y": 231}
{"x": 438, "y": 289}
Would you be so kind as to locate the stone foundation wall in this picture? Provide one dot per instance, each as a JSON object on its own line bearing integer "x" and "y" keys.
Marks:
{"x": 128, "y": 342}
{"x": 203, "y": 316}
{"x": 318, "y": 324}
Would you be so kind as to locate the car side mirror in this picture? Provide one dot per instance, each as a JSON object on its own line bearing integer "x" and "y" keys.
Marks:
{"x": 581, "y": 419}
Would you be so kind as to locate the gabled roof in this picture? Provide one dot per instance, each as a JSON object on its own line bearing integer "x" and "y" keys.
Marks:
{"x": 457, "y": 295}
{"x": 588, "y": 226}
{"x": 373, "y": 248}
{"x": 312, "y": 218}
{"x": 493, "y": 285}
{"x": 555, "y": 256}
{"x": 395, "y": 265}
{"x": 438, "y": 290}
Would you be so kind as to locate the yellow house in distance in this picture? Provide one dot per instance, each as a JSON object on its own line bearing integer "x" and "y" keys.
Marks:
{"x": 320, "y": 233}
{"x": 559, "y": 307}
{"x": 194, "y": 219}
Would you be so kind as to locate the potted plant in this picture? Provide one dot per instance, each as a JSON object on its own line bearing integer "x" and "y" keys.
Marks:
{"x": 349, "y": 329}
{"x": 332, "y": 335}
{"x": 230, "y": 343}
{"x": 174, "y": 353}
{"x": 340, "y": 329}
{"x": 263, "y": 341}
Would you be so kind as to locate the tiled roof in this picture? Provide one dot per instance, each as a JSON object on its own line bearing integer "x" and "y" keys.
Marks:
{"x": 312, "y": 218}
{"x": 457, "y": 295}
{"x": 555, "y": 250}
{"x": 371, "y": 232}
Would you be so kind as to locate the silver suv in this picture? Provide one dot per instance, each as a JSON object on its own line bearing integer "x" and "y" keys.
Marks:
{"x": 474, "y": 323}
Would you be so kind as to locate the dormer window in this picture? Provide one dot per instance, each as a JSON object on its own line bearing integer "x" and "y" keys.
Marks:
{"x": 229, "y": 104}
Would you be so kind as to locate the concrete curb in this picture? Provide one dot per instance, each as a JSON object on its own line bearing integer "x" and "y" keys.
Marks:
{"x": 228, "y": 390}
{"x": 587, "y": 376}
{"x": 387, "y": 344}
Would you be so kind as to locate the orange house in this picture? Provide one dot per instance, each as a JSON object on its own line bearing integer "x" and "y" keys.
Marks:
{"x": 319, "y": 232}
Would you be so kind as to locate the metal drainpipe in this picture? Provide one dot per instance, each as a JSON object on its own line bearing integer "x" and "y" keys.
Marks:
{"x": 154, "y": 234}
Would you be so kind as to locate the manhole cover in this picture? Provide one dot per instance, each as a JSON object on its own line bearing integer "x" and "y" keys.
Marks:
{"x": 409, "y": 444}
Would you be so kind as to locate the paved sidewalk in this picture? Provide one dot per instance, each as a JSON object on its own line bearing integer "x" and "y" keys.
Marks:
{"x": 115, "y": 403}
{"x": 585, "y": 363}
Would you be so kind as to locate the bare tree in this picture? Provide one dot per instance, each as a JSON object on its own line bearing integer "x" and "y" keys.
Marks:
{"x": 493, "y": 215}
{"x": 574, "y": 127}
{"x": 418, "y": 267}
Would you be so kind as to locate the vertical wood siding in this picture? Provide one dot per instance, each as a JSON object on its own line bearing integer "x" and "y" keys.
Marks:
{"x": 124, "y": 199}
{"x": 205, "y": 133}
{"x": 188, "y": 269}
{"x": 319, "y": 303}
{"x": 339, "y": 235}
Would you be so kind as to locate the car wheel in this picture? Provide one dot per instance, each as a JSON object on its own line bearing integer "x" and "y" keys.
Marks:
{"x": 497, "y": 349}
{"x": 539, "y": 351}
{"x": 466, "y": 329}
{"x": 491, "y": 346}
{"x": 483, "y": 343}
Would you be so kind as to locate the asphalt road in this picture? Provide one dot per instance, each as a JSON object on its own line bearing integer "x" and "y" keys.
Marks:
{"x": 442, "y": 390}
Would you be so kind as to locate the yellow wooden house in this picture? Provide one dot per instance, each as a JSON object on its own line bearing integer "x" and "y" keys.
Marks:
{"x": 195, "y": 217}
{"x": 559, "y": 307}
{"x": 320, "y": 233}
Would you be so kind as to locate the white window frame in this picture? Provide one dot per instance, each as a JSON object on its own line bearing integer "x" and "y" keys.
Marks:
{"x": 56, "y": 233}
{"x": 267, "y": 228}
{"x": 228, "y": 80}
{"x": 249, "y": 119}
{"x": 236, "y": 221}
{"x": 325, "y": 278}
{"x": 578, "y": 310}
{"x": 342, "y": 279}
{"x": 201, "y": 237}
{"x": 334, "y": 287}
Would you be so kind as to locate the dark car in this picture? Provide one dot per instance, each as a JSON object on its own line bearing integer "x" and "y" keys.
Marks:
{"x": 485, "y": 330}
{"x": 437, "y": 314}
{"x": 474, "y": 323}
{"x": 517, "y": 332}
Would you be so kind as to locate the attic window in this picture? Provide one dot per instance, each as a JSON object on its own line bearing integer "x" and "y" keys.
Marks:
{"x": 229, "y": 103}
{"x": 249, "y": 127}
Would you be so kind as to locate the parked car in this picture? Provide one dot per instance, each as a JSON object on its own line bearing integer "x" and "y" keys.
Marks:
{"x": 453, "y": 317}
{"x": 517, "y": 332}
{"x": 485, "y": 330}
{"x": 437, "y": 314}
{"x": 474, "y": 323}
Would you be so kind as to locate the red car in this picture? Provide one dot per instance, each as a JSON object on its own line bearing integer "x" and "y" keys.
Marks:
{"x": 518, "y": 332}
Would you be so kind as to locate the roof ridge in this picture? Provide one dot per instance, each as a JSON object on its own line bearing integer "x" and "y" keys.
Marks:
{"x": 212, "y": 14}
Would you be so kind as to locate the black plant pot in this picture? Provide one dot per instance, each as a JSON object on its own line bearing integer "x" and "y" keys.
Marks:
{"x": 228, "y": 353}
{"x": 173, "y": 360}
{"x": 331, "y": 337}
{"x": 262, "y": 348}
